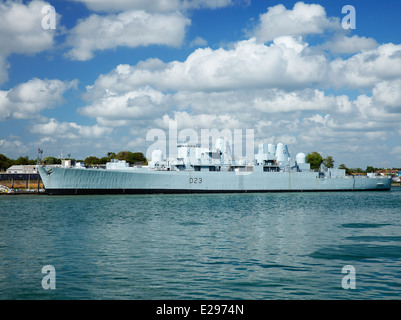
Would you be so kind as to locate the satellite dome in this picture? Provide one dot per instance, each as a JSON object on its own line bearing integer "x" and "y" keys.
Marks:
{"x": 300, "y": 158}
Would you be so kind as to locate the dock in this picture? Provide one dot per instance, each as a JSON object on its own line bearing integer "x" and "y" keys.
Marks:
{"x": 20, "y": 183}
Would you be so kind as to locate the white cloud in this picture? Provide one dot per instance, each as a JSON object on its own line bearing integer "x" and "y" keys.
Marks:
{"x": 344, "y": 44}
{"x": 281, "y": 101}
{"x": 388, "y": 93}
{"x": 377, "y": 135}
{"x": 135, "y": 23}
{"x": 368, "y": 67}
{"x": 211, "y": 4}
{"x": 186, "y": 120}
{"x": 3, "y": 69}
{"x": 124, "y": 5}
{"x": 198, "y": 42}
{"x": 396, "y": 150}
{"x": 28, "y": 99}
{"x": 21, "y": 31}
{"x": 252, "y": 103}
{"x": 154, "y": 5}
{"x": 303, "y": 19}
{"x": 11, "y": 144}
{"x": 249, "y": 64}
{"x": 113, "y": 109}
{"x": 382, "y": 108}
{"x": 130, "y": 29}
{"x": 69, "y": 130}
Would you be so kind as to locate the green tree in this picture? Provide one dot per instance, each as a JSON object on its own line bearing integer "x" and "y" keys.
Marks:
{"x": 347, "y": 170}
{"x": 138, "y": 157}
{"x": 104, "y": 160}
{"x": 92, "y": 160}
{"x": 370, "y": 169}
{"x": 51, "y": 160}
{"x": 328, "y": 162}
{"x": 5, "y": 162}
{"x": 315, "y": 160}
{"x": 131, "y": 157}
{"x": 111, "y": 155}
{"x": 123, "y": 155}
{"x": 22, "y": 161}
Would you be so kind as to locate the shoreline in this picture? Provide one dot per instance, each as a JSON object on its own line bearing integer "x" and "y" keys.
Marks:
{"x": 35, "y": 192}
{"x": 18, "y": 193}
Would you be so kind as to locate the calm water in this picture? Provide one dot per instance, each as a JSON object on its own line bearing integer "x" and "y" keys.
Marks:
{"x": 248, "y": 246}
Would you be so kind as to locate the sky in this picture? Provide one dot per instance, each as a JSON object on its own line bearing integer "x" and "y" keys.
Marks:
{"x": 88, "y": 77}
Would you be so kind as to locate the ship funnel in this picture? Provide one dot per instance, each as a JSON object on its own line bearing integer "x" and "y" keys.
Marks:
{"x": 271, "y": 148}
{"x": 157, "y": 156}
{"x": 224, "y": 146}
{"x": 282, "y": 153}
{"x": 263, "y": 148}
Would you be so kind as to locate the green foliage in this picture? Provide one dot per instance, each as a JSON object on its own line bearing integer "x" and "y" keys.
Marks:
{"x": 51, "y": 160}
{"x": 370, "y": 169}
{"x": 328, "y": 162}
{"x": 315, "y": 160}
{"x": 347, "y": 170}
{"x": 104, "y": 160}
{"x": 5, "y": 162}
{"x": 22, "y": 161}
{"x": 92, "y": 160}
{"x": 131, "y": 157}
{"x": 373, "y": 169}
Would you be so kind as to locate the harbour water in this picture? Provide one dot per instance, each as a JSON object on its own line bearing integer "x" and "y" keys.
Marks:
{"x": 208, "y": 246}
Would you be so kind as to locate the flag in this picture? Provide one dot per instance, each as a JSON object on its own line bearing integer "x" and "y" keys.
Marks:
{"x": 40, "y": 151}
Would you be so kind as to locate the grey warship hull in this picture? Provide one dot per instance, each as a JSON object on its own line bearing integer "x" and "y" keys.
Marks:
{"x": 208, "y": 170}
{"x": 71, "y": 181}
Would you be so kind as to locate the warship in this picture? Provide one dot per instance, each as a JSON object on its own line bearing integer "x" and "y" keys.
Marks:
{"x": 207, "y": 170}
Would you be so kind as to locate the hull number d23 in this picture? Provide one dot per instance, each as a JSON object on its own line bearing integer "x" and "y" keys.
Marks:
{"x": 195, "y": 180}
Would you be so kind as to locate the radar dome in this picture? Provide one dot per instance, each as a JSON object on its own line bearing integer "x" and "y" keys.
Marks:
{"x": 300, "y": 158}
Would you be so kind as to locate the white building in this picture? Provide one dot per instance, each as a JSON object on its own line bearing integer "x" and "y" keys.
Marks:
{"x": 23, "y": 169}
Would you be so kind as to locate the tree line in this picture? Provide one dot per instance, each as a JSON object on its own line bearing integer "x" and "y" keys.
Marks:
{"x": 6, "y": 162}
{"x": 316, "y": 160}
{"x": 130, "y": 157}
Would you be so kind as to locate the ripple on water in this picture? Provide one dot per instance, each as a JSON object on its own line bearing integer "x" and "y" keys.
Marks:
{"x": 251, "y": 246}
{"x": 358, "y": 252}
{"x": 364, "y": 225}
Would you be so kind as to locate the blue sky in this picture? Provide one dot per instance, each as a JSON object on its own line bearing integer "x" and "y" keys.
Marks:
{"x": 112, "y": 71}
